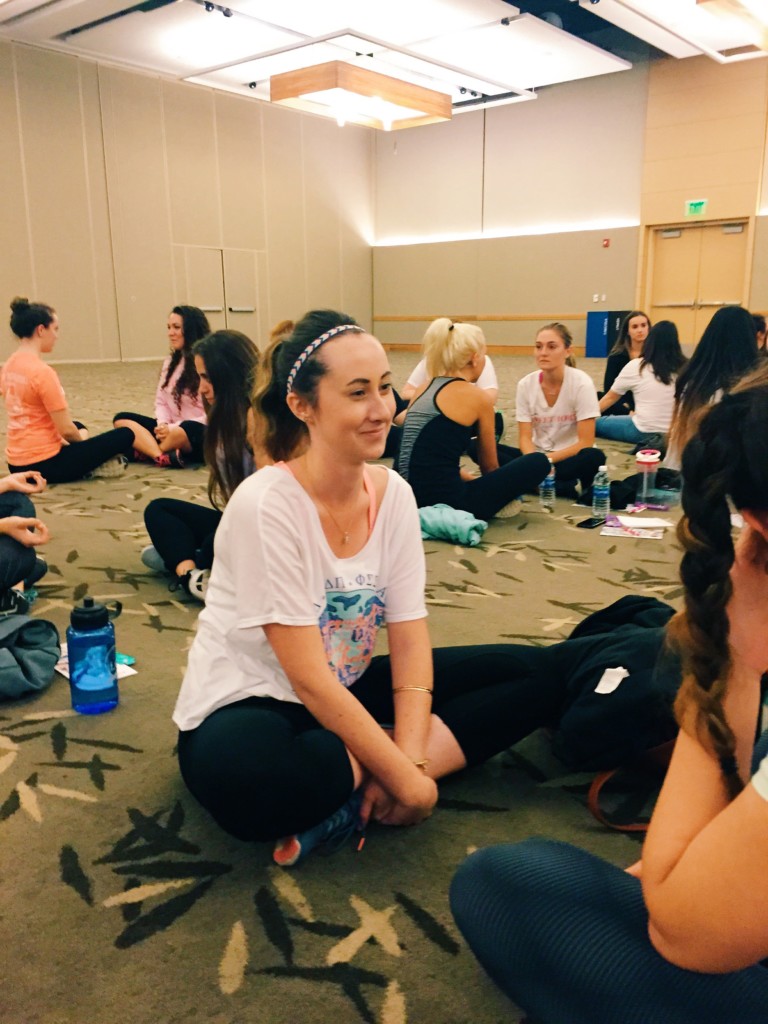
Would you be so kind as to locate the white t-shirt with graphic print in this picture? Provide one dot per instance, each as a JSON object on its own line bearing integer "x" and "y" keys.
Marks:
{"x": 273, "y": 565}
{"x": 554, "y": 427}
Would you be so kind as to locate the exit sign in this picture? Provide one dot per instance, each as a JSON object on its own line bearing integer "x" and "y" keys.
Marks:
{"x": 695, "y": 207}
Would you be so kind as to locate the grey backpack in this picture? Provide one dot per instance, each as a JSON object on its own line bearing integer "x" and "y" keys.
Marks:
{"x": 29, "y": 650}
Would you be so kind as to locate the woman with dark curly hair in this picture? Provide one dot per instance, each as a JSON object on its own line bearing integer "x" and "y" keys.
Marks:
{"x": 680, "y": 935}
{"x": 175, "y": 433}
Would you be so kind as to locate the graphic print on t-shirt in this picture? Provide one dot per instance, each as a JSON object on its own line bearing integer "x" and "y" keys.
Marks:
{"x": 353, "y": 613}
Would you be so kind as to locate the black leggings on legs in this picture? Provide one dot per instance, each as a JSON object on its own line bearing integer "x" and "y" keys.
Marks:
{"x": 266, "y": 768}
{"x": 565, "y": 935}
{"x": 16, "y": 560}
{"x": 181, "y": 530}
{"x": 195, "y": 432}
{"x": 75, "y": 460}
{"x": 582, "y": 466}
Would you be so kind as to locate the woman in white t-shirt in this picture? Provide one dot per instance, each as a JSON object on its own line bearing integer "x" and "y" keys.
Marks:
{"x": 283, "y": 712}
{"x": 682, "y": 935}
{"x": 651, "y": 379}
{"x": 556, "y": 412}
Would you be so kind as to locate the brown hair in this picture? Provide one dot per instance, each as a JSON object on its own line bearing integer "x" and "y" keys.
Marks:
{"x": 566, "y": 337}
{"x": 726, "y": 459}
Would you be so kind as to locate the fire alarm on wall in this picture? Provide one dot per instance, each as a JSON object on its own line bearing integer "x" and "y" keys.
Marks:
{"x": 606, "y": 243}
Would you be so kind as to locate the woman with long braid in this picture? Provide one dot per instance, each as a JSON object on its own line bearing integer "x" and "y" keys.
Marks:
{"x": 678, "y": 937}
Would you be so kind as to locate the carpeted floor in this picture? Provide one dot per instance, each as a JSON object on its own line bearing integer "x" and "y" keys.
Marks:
{"x": 122, "y": 903}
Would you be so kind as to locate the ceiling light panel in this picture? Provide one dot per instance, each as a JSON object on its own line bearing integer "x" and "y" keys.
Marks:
{"x": 399, "y": 21}
{"x": 629, "y": 20}
{"x": 698, "y": 23}
{"x": 179, "y": 38}
{"x": 416, "y": 70}
{"x": 527, "y": 53}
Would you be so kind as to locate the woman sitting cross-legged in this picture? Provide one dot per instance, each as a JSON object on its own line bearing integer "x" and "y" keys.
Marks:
{"x": 21, "y": 532}
{"x": 682, "y": 936}
{"x": 556, "y": 412}
{"x": 175, "y": 434}
{"x": 651, "y": 379}
{"x": 42, "y": 436}
{"x": 290, "y": 729}
{"x": 439, "y": 425}
{"x": 182, "y": 532}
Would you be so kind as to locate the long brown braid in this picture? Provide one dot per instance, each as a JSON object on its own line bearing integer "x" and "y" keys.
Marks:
{"x": 727, "y": 458}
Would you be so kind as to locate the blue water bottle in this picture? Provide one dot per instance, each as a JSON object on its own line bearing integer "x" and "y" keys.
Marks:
{"x": 91, "y": 651}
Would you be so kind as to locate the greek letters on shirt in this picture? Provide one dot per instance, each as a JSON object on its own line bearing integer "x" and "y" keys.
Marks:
{"x": 349, "y": 622}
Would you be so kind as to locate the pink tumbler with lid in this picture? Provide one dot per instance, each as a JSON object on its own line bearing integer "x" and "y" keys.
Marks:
{"x": 647, "y": 464}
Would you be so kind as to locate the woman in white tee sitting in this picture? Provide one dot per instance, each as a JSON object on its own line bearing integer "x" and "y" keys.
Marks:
{"x": 651, "y": 379}
{"x": 556, "y": 412}
{"x": 290, "y": 729}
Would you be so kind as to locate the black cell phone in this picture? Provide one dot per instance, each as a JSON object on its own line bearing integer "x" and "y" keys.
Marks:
{"x": 591, "y": 523}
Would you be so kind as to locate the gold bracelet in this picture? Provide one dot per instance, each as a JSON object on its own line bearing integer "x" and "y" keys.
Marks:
{"x": 423, "y": 765}
{"x": 423, "y": 689}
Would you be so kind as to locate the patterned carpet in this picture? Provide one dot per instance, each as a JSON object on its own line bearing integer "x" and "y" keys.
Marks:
{"x": 122, "y": 903}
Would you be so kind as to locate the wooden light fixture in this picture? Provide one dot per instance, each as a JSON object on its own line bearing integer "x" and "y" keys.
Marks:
{"x": 355, "y": 95}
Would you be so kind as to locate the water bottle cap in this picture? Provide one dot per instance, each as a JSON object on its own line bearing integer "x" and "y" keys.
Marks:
{"x": 648, "y": 456}
{"x": 89, "y": 615}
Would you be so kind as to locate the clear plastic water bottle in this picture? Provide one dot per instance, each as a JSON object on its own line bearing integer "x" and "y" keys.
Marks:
{"x": 547, "y": 492}
{"x": 601, "y": 493}
{"x": 91, "y": 651}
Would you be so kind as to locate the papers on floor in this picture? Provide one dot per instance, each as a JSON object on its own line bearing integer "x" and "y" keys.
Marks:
{"x": 639, "y": 528}
{"x": 62, "y": 665}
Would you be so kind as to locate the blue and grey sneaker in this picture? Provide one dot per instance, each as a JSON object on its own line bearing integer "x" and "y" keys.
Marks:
{"x": 330, "y": 835}
{"x": 152, "y": 559}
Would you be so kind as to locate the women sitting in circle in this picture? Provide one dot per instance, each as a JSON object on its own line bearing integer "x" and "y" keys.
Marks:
{"x": 290, "y": 729}
{"x": 628, "y": 345}
{"x": 727, "y": 350}
{"x": 175, "y": 434}
{"x": 440, "y": 422}
{"x": 21, "y": 532}
{"x": 42, "y": 436}
{"x": 556, "y": 412}
{"x": 682, "y": 935}
{"x": 651, "y": 381}
{"x": 182, "y": 532}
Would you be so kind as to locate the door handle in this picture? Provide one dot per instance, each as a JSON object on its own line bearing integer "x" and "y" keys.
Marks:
{"x": 212, "y": 309}
{"x": 242, "y": 309}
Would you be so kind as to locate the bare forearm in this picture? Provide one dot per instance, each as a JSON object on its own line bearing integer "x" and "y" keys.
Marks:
{"x": 411, "y": 663}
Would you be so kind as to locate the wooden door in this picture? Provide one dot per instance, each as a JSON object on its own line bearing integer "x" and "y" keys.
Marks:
{"x": 694, "y": 271}
{"x": 674, "y": 284}
{"x": 721, "y": 270}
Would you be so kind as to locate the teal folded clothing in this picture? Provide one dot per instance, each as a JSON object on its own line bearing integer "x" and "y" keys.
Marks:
{"x": 441, "y": 522}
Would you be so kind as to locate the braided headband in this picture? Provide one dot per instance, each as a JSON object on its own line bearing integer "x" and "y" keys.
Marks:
{"x": 313, "y": 346}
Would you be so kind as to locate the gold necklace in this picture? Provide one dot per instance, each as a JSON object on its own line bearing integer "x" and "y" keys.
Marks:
{"x": 314, "y": 495}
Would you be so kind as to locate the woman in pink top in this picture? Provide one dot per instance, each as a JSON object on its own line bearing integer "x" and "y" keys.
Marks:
{"x": 42, "y": 435}
{"x": 177, "y": 430}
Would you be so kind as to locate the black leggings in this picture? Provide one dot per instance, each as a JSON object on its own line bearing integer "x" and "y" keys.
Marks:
{"x": 180, "y": 530}
{"x": 195, "y": 432}
{"x": 81, "y": 457}
{"x": 565, "y": 935}
{"x": 266, "y": 768}
{"x": 16, "y": 560}
{"x": 582, "y": 466}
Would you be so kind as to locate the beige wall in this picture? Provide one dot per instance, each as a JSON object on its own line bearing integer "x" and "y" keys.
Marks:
{"x": 512, "y": 286}
{"x": 705, "y": 138}
{"x": 123, "y": 193}
{"x": 566, "y": 160}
